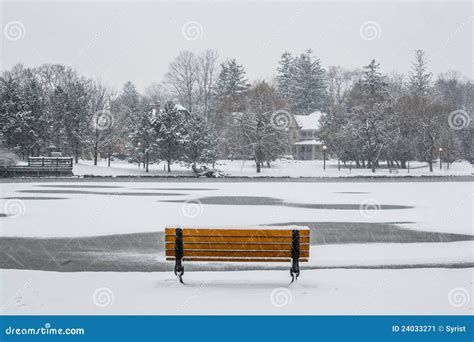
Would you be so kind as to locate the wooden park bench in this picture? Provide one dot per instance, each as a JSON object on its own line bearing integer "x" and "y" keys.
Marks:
{"x": 50, "y": 162}
{"x": 256, "y": 244}
{"x": 40, "y": 166}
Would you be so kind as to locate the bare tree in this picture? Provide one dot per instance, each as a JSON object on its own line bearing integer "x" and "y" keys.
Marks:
{"x": 207, "y": 79}
{"x": 340, "y": 82}
{"x": 102, "y": 120}
{"x": 183, "y": 78}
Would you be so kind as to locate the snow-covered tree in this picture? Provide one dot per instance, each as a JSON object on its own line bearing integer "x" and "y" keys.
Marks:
{"x": 285, "y": 75}
{"x": 207, "y": 82}
{"x": 132, "y": 110}
{"x": 309, "y": 85}
{"x": 261, "y": 137}
{"x": 232, "y": 79}
{"x": 201, "y": 141}
{"x": 183, "y": 79}
{"x": 170, "y": 131}
{"x": 419, "y": 77}
{"x": 372, "y": 120}
{"x": 24, "y": 118}
{"x": 102, "y": 121}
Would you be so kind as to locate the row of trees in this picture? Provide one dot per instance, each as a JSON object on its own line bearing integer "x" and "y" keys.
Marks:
{"x": 370, "y": 116}
{"x": 373, "y": 117}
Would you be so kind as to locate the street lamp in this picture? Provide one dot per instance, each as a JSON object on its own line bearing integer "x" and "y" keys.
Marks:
{"x": 139, "y": 144}
{"x": 324, "y": 156}
{"x": 440, "y": 161}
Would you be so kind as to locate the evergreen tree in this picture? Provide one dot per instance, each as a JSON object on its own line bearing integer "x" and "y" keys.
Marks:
{"x": 23, "y": 116}
{"x": 171, "y": 135}
{"x": 232, "y": 79}
{"x": 135, "y": 117}
{"x": 373, "y": 83}
{"x": 71, "y": 101}
{"x": 201, "y": 142}
{"x": 142, "y": 137}
{"x": 309, "y": 85}
{"x": 285, "y": 75}
{"x": 419, "y": 77}
{"x": 371, "y": 121}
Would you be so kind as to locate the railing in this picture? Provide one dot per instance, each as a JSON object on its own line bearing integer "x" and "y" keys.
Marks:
{"x": 48, "y": 162}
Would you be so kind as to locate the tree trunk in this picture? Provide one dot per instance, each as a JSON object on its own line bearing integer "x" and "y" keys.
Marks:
{"x": 169, "y": 165}
{"x": 95, "y": 156}
{"x": 258, "y": 166}
{"x": 146, "y": 161}
{"x": 403, "y": 164}
{"x": 431, "y": 166}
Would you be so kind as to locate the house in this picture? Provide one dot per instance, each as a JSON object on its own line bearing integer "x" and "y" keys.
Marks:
{"x": 304, "y": 137}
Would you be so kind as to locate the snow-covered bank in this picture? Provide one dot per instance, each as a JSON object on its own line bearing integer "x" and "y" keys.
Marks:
{"x": 408, "y": 292}
{"x": 279, "y": 168}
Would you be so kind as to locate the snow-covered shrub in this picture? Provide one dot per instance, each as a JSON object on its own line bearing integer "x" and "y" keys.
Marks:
{"x": 7, "y": 158}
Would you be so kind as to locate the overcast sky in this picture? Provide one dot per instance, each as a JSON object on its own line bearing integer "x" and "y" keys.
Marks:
{"x": 120, "y": 41}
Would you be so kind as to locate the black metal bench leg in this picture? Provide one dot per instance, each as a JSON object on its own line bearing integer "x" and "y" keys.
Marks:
{"x": 179, "y": 269}
{"x": 178, "y": 251}
{"x": 295, "y": 255}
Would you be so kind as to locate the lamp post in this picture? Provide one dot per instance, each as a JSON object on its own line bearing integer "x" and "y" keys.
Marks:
{"x": 440, "y": 161}
{"x": 324, "y": 156}
{"x": 139, "y": 144}
{"x": 146, "y": 160}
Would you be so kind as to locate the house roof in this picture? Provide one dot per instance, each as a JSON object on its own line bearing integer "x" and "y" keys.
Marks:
{"x": 310, "y": 121}
{"x": 309, "y": 142}
{"x": 180, "y": 107}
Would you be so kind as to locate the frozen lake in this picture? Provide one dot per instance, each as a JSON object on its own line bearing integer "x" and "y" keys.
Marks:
{"x": 359, "y": 230}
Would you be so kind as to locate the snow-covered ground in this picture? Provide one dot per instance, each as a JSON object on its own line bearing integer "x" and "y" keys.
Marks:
{"x": 104, "y": 208}
{"x": 279, "y": 168}
{"x": 404, "y": 292}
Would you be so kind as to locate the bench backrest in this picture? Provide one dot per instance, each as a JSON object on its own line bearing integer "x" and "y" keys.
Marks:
{"x": 264, "y": 244}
